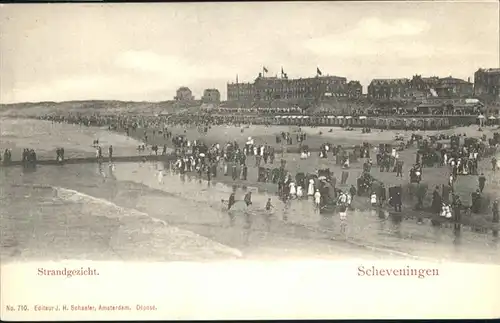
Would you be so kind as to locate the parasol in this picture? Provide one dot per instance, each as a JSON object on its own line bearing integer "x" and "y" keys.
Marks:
{"x": 362, "y": 117}
{"x": 348, "y": 117}
{"x": 492, "y": 118}
{"x": 340, "y": 117}
{"x": 480, "y": 116}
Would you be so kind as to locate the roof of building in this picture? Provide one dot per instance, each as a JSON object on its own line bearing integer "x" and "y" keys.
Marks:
{"x": 430, "y": 79}
{"x": 450, "y": 79}
{"x": 390, "y": 81}
{"x": 490, "y": 70}
{"x": 183, "y": 88}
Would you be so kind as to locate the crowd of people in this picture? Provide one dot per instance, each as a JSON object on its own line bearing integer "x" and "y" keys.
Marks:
{"x": 231, "y": 159}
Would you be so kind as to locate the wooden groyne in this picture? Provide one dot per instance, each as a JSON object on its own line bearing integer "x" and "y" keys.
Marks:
{"x": 91, "y": 160}
{"x": 143, "y": 158}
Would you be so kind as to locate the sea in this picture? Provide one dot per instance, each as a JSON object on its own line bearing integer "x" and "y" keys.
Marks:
{"x": 145, "y": 212}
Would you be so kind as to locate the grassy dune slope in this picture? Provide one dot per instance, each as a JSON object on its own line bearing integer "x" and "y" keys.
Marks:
{"x": 88, "y": 107}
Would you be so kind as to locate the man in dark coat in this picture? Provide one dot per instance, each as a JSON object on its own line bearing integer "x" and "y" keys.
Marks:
{"x": 496, "y": 217}
{"x": 437, "y": 201}
{"x": 482, "y": 181}
{"x": 396, "y": 198}
{"x": 248, "y": 198}
{"x": 382, "y": 196}
{"x": 234, "y": 172}
{"x": 457, "y": 216}
{"x": 231, "y": 201}
{"x": 399, "y": 168}
{"x": 476, "y": 202}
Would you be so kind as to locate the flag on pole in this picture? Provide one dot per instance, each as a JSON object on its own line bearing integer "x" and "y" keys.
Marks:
{"x": 283, "y": 74}
{"x": 265, "y": 69}
{"x": 318, "y": 71}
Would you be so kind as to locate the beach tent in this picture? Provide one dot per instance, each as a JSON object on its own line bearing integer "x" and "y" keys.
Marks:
{"x": 340, "y": 117}
{"x": 362, "y": 117}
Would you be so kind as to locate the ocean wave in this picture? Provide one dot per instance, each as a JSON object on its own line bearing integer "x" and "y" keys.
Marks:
{"x": 121, "y": 213}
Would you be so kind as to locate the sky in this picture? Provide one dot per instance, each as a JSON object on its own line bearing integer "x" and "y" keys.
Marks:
{"x": 144, "y": 52}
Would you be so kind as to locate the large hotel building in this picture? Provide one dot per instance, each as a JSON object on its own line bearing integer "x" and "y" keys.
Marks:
{"x": 419, "y": 87}
{"x": 487, "y": 83}
{"x": 274, "y": 88}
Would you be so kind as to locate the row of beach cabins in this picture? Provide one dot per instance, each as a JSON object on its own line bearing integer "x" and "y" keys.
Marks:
{"x": 345, "y": 121}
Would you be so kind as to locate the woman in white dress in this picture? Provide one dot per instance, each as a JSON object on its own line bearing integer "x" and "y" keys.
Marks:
{"x": 343, "y": 217}
{"x": 373, "y": 199}
{"x": 293, "y": 190}
{"x": 310, "y": 189}
{"x": 160, "y": 176}
{"x": 317, "y": 200}
{"x": 300, "y": 193}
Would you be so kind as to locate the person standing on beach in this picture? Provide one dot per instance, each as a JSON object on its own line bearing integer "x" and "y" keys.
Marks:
{"x": 482, "y": 181}
{"x": 209, "y": 172}
{"x": 457, "y": 217}
{"x": 310, "y": 188}
{"x": 110, "y": 152}
{"x": 345, "y": 176}
{"x": 399, "y": 168}
{"x": 317, "y": 200}
{"x": 343, "y": 217}
{"x": 373, "y": 199}
{"x": 234, "y": 173}
{"x": 496, "y": 217}
{"x": 231, "y": 201}
{"x": 269, "y": 207}
{"x": 160, "y": 176}
{"x": 248, "y": 198}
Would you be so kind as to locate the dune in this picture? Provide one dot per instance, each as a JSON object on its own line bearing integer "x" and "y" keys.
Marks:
{"x": 35, "y": 109}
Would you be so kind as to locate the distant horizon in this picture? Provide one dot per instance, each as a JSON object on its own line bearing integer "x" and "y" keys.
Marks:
{"x": 145, "y": 52}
